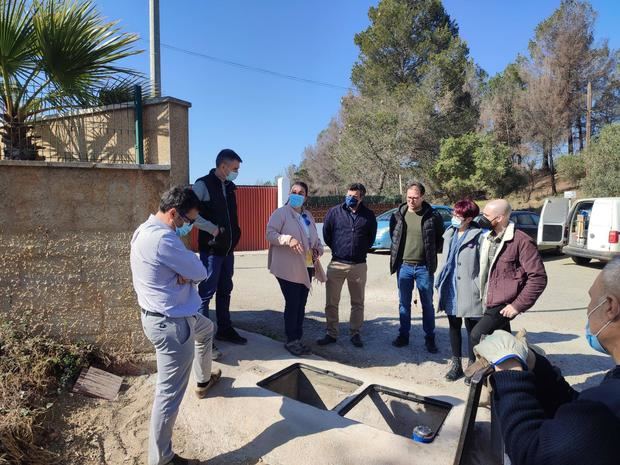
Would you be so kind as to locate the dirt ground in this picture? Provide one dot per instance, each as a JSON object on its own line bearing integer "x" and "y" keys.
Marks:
{"x": 90, "y": 432}
{"x": 556, "y": 323}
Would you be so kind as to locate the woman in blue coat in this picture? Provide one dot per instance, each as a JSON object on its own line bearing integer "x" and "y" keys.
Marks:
{"x": 458, "y": 284}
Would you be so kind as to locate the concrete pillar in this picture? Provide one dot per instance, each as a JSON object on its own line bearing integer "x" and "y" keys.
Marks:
{"x": 166, "y": 133}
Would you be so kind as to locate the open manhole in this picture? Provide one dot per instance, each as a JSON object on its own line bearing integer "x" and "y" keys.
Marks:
{"x": 320, "y": 388}
{"x": 396, "y": 411}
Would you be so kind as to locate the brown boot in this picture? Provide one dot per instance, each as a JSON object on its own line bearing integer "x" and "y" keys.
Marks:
{"x": 201, "y": 392}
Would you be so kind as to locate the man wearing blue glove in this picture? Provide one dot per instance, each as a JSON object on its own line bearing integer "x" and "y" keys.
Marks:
{"x": 545, "y": 421}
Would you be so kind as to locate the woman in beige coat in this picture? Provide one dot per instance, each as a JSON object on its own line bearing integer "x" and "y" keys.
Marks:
{"x": 294, "y": 248}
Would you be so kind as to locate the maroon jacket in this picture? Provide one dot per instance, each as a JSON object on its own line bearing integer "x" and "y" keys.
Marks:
{"x": 517, "y": 275}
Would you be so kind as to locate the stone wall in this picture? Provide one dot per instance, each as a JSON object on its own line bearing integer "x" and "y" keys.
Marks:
{"x": 64, "y": 247}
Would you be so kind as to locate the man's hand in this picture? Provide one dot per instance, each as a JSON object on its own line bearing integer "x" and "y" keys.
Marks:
{"x": 216, "y": 233}
{"x": 296, "y": 246}
{"x": 182, "y": 280}
{"x": 509, "y": 311}
{"x": 500, "y": 347}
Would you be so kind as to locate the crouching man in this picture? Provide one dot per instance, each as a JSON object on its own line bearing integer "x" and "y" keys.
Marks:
{"x": 543, "y": 420}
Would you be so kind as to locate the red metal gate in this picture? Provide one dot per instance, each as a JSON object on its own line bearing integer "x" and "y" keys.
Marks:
{"x": 254, "y": 205}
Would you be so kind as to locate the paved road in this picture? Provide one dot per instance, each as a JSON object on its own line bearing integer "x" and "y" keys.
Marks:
{"x": 556, "y": 323}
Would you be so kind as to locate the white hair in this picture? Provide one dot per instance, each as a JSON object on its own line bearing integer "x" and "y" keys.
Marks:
{"x": 611, "y": 276}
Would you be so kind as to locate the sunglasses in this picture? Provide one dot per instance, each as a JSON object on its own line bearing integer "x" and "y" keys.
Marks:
{"x": 306, "y": 220}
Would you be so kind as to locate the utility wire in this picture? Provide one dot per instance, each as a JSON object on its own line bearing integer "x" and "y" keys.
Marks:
{"x": 254, "y": 68}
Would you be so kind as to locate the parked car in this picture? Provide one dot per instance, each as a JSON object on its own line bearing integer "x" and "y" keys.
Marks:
{"x": 526, "y": 221}
{"x": 383, "y": 239}
{"x": 587, "y": 229}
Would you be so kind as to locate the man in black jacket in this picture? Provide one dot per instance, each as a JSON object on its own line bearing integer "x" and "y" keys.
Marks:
{"x": 349, "y": 230}
{"x": 543, "y": 420}
{"x": 416, "y": 231}
{"x": 219, "y": 234}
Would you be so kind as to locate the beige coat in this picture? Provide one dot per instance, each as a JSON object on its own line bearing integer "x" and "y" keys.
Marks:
{"x": 283, "y": 262}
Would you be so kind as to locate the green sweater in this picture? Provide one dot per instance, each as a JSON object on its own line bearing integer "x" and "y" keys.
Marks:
{"x": 414, "y": 243}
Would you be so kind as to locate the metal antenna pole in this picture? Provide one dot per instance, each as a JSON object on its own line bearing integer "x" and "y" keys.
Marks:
{"x": 155, "y": 54}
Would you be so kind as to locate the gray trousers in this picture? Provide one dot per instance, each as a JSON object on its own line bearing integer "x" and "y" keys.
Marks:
{"x": 178, "y": 342}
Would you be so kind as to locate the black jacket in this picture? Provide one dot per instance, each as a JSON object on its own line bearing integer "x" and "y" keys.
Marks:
{"x": 221, "y": 211}
{"x": 546, "y": 422}
{"x": 432, "y": 232}
{"x": 349, "y": 239}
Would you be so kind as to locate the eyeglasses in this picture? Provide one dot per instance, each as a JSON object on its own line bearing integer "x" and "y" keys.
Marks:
{"x": 186, "y": 219}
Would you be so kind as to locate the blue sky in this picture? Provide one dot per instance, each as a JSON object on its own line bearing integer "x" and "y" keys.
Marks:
{"x": 269, "y": 120}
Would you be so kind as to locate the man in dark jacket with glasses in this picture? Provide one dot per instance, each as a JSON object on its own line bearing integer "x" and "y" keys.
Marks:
{"x": 416, "y": 231}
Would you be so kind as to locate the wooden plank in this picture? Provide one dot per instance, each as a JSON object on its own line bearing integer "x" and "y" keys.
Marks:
{"x": 94, "y": 382}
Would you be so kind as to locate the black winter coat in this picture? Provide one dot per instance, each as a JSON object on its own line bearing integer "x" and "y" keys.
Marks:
{"x": 222, "y": 211}
{"x": 546, "y": 422}
{"x": 432, "y": 232}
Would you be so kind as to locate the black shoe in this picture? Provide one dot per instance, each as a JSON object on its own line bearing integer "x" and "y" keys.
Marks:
{"x": 356, "y": 340}
{"x": 327, "y": 339}
{"x": 295, "y": 348}
{"x": 178, "y": 460}
{"x": 230, "y": 335}
{"x": 456, "y": 371}
{"x": 429, "y": 341}
{"x": 400, "y": 341}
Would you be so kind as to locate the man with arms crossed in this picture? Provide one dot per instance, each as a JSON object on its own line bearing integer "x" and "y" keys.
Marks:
{"x": 165, "y": 275}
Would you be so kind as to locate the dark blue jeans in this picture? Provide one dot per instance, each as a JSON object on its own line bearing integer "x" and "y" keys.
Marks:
{"x": 219, "y": 282}
{"x": 295, "y": 298}
{"x": 408, "y": 276}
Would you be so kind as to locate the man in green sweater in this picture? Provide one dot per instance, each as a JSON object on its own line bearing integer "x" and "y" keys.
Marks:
{"x": 416, "y": 232}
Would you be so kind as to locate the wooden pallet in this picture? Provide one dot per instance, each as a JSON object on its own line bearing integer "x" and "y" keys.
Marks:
{"x": 94, "y": 382}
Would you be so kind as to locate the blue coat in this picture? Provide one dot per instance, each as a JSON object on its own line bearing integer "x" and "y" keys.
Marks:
{"x": 349, "y": 238}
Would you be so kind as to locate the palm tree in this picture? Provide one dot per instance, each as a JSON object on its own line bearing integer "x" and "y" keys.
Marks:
{"x": 54, "y": 55}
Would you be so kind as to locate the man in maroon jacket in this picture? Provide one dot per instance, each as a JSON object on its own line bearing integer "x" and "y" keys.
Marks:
{"x": 512, "y": 274}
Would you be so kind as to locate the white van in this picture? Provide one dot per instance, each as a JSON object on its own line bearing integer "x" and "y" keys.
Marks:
{"x": 585, "y": 229}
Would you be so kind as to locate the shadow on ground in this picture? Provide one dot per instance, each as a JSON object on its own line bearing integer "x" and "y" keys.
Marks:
{"x": 377, "y": 336}
{"x": 547, "y": 337}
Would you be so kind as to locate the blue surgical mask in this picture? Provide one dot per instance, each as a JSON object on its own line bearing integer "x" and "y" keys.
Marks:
{"x": 592, "y": 339}
{"x": 232, "y": 176}
{"x": 456, "y": 222}
{"x": 184, "y": 230}
{"x": 296, "y": 200}
{"x": 351, "y": 201}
